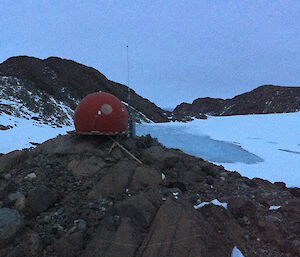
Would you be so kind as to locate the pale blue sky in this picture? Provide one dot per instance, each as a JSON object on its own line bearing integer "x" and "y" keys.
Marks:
{"x": 179, "y": 50}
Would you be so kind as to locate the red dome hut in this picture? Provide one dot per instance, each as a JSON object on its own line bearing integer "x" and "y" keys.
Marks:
{"x": 100, "y": 113}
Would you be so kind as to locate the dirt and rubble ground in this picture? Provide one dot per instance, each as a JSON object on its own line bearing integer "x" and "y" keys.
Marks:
{"x": 71, "y": 196}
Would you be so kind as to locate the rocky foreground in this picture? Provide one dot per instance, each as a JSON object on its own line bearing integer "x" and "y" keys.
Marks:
{"x": 74, "y": 196}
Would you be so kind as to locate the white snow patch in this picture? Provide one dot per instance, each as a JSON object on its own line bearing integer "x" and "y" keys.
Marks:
{"x": 236, "y": 252}
{"x": 215, "y": 202}
{"x": 24, "y": 132}
{"x": 274, "y": 207}
{"x": 163, "y": 176}
{"x": 175, "y": 194}
{"x": 30, "y": 176}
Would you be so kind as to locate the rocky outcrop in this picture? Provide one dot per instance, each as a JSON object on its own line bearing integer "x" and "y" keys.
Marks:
{"x": 264, "y": 99}
{"x": 49, "y": 90}
{"x": 73, "y": 196}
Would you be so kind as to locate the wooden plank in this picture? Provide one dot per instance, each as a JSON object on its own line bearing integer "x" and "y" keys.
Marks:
{"x": 123, "y": 148}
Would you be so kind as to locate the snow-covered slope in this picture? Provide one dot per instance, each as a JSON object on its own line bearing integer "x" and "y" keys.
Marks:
{"x": 29, "y": 116}
{"x": 17, "y": 100}
{"x": 265, "y": 146}
{"x": 23, "y": 132}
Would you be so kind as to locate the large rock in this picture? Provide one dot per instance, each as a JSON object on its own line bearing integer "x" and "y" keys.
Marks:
{"x": 175, "y": 230}
{"x": 40, "y": 200}
{"x": 115, "y": 181}
{"x": 114, "y": 239}
{"x": 10, "y": 223}
{"x": 145, "y": 176}
{"x": 138, "y": 208}
{"x": 179, "y": 230}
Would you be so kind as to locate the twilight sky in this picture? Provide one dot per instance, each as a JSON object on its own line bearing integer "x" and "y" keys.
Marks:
{"x": 178, "y": 50}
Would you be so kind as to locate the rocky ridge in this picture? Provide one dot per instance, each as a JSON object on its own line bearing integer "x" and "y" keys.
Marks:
{"x": 262, "y": 100}
{"x": 48, "y": 91}
{"x": 79, "y": 196}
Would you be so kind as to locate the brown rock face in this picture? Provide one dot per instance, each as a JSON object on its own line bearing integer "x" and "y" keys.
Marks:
{"x": 117, "y": 175}
{"x": 264, "y": 99}
{"x": 179, "y": 230}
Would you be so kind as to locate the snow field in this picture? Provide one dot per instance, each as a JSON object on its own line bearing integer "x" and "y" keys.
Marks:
{"x": 265, "y": 146}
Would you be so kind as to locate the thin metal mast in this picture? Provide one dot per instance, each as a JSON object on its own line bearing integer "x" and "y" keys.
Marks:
{"x": 128, "y": 76}
{"x": 131, "y": 122}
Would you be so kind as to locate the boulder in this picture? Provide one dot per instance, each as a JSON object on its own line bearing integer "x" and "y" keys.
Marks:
{"x": 145, "y": 176}
{"x": 114, "y": 239}
{"x": 10, "y": 223}
{"x": 138, "y": 208}
{"x": 40, "y": 200}
{"x": 178, "y": 230}
{"x": 115, "y": 180}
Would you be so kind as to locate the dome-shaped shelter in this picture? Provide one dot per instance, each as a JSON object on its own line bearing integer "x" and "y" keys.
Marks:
{"x": 100, "y": 113}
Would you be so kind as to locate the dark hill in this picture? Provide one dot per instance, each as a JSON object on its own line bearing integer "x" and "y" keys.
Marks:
{"x": 65, "y": 81}
{"x": 264, "y": 99}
